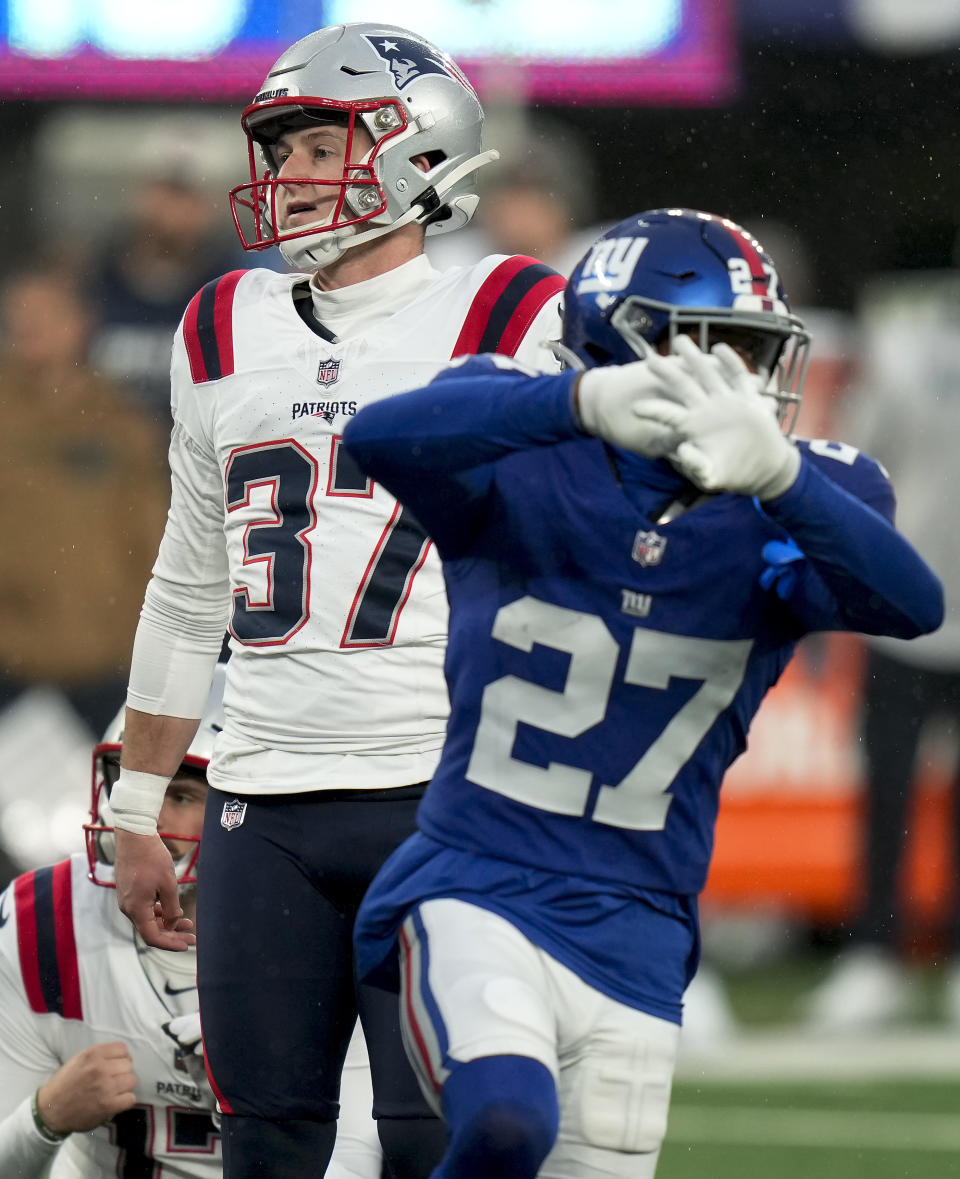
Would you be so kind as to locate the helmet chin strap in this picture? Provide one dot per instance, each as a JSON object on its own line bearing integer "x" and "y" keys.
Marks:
{"x": 326, "y": 246}
{"x": 567, "y": 357}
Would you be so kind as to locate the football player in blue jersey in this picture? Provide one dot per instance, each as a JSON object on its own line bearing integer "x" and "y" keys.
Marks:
{"x": 632, "y": 550}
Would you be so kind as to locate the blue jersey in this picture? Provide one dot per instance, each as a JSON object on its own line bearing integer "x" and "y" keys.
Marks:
{"x": 604, "y": 667}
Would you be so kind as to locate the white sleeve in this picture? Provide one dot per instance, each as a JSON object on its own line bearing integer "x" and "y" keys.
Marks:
{"x": 24, "y": 1152}
{"x": 534, "y": 351}
{"x": 26, "y": 1062}
{"x": 187, "y": 600}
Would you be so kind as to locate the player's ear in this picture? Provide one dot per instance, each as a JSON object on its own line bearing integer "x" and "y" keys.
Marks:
{"x": 421, "y": 162}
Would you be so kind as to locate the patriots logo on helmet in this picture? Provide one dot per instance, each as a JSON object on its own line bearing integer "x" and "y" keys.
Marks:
{"x": 409, "y": 59}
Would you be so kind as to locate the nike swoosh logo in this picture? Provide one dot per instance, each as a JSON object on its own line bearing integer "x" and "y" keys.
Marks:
{"x": 4, "y": 918}
{"x": 177, "y": 990}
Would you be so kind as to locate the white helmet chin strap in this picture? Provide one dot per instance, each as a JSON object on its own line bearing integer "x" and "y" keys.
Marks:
{"x": 326, "y": 246}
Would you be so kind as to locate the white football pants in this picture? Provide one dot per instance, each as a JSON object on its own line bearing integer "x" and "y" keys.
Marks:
{"x": 474, "y": 986}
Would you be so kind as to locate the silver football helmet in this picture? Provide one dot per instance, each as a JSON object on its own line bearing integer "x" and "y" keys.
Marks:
{"x": 99, "y": 829}
{"x": 413, "y": 101}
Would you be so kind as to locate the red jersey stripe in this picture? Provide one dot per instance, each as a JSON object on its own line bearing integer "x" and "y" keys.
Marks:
{"x": 223, "y": 319}
{"x": 26, "y": 907}
{"x": 527, "y": 311}
{"x": 66, "y": 941}
{"x": 484, "y": 301}
{"x": 198, "y": 370}
{"x": 208, "y": 329}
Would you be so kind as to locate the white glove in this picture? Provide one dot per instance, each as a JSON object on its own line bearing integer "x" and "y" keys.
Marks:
{"x": 730, "y": 437}
{"x": 610, "y": 403}
{"x": 185, "y": 1030}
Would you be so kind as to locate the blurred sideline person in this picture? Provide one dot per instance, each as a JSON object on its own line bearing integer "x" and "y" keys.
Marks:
{"x": 143, "y": 275}
{"x": 632, "y": 550}
{"x": 74, "y": 976}
{"x": 906, "y": 409}
{"x": 80, "y": 459}
{"x": 336, "y": 704}
{"x": 535, "y": 204}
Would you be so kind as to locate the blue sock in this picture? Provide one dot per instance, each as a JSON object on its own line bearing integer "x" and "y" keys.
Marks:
{"x": 502, "y": 1113}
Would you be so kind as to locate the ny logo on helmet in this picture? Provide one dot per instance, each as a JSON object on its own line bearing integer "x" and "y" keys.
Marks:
{"x": 409, "y": 59}
{"x": 610, "y": 266}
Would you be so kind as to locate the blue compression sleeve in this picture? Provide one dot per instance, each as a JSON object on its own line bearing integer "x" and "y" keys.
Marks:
{"x": 503, "y": 1115}
{"x": 433, "y": 448}
{"x": 466, "y": 417}
{"x": 880, "y": 583}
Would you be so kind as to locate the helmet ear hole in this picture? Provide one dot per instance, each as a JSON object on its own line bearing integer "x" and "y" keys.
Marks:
{"x": 598, "y": 356}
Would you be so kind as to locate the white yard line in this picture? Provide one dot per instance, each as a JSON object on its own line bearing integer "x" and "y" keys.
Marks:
{"x": 792, "y": 1055}
{"x": 851, "y": 1129}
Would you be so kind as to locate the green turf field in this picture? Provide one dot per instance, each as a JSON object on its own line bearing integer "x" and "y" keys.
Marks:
{"x": 776, "y": 1103}
{"x": 895, "y": 1129}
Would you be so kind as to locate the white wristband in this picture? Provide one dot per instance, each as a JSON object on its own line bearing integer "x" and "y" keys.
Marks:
{"x": 136, "y": 799}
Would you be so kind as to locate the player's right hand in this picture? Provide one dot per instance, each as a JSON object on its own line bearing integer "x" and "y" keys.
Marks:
{"x": 147, "y": 891}
{"x": 729, "y": 436}
{"x": 615, "y": 403}
{"x": 89, "y": 1089}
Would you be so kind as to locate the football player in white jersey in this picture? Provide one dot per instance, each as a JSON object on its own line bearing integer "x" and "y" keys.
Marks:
{"x": 101, "y": 1064}
{"x": 336, "y": 705}
{"x": 93, "y": 1078}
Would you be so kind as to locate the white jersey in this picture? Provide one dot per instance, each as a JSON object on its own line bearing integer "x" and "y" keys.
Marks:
{"x": 72, "y": 975}
{"x": 337, "y": 609}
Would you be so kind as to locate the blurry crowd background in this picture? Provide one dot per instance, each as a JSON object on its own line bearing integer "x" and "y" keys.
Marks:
{"x": 840, "y": 149}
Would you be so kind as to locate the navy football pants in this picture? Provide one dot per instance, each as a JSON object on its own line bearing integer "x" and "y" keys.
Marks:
{"x": 278, "y": 996}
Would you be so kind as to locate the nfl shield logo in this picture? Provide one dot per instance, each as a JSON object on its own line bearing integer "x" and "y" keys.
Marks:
{"x": 648, "y": 548}
{"x": 329, "y": 371}
{"x": 233, "y": 814}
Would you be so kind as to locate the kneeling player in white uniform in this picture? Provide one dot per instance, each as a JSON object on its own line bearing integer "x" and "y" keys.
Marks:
{"x": 631, "y": 553}
{"x": 101, "y": 1068}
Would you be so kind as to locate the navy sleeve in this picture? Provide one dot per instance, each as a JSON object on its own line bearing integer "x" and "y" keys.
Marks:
{"x": 877, "y": 582}
{"x": 433, "y": 448}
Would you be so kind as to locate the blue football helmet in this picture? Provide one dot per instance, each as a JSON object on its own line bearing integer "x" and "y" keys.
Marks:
{"x": 679, "y": 270}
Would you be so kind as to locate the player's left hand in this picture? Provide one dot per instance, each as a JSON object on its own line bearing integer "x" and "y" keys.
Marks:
{"x": 148, "y": 893}
{"x": 628, "y": 405}
{"x": 731, "y": 440}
